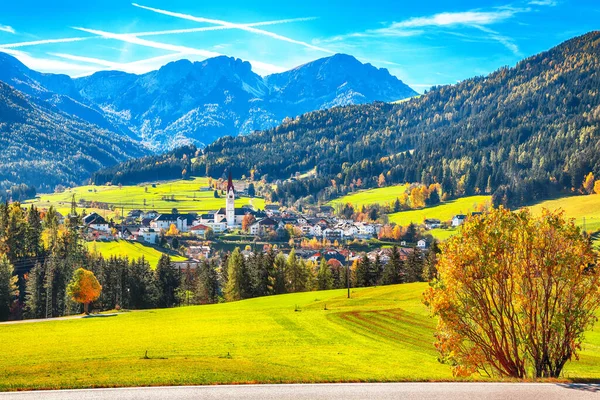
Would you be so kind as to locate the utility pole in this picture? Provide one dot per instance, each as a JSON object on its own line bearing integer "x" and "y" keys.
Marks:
{"x": 348, "y": 269}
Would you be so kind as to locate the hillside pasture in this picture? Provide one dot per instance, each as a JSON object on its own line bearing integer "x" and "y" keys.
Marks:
{"x": 577, "y": 207}
{"x": 132, "y": 250}
{"x": 152, "y": 196}
{"x": 444, "y": 211}
{"x": 380, "y": 334}
{"x": 384, "y": 195}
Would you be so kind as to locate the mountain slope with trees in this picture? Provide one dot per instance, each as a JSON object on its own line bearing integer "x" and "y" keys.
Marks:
{"x": 44, "y": 147}
{"x": 522, "y": 133}
{"x": 197, "y": 102}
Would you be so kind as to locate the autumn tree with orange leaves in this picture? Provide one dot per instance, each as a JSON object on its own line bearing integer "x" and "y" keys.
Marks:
{"x": 514, "y": 295}
{"x": 84, "y": 288}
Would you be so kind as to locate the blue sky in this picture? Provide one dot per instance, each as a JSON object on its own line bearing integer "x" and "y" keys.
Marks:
{"x": 424, "y": 43}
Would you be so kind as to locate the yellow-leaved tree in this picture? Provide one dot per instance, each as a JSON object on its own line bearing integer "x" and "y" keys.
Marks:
{"x": 514, "y": 294}
{"x": 84, "y": 288}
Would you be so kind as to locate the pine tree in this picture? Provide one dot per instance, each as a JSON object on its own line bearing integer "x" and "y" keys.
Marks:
{"x": 324, "y": 277}
{"x": 35, "y": 297}
{"x": 167, "y": 279}
{"x": 363, "y": 271}
{"x": 376, "y": 271}
{"x": 392, "y": 272}
{"x": 207, "y": 284}
{"x": 142, "y": 285}
{"x": 430, "y": 263}
{"x": 7, "y": 287}
{"x": 279, "y": 270}
{"x": 414, "y": 266}
{"x": 234, "y": 290}
{"x": 297, "y": 274}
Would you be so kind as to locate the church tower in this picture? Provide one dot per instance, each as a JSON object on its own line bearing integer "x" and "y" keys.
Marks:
{"x": 230, "y": 206}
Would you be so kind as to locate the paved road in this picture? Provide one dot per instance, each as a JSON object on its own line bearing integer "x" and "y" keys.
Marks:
{"x": 371, "y": 391}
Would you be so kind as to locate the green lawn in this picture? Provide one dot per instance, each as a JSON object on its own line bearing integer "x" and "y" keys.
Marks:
{"x": 444, "y": 211}
{"x": 188, "y": 197}
{"x": 381, "y": 334}
{"x": 133, "y": 250}
{"x": 383, "y": 195}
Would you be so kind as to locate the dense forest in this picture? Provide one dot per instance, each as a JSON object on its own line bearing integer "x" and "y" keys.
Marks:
{"x": 522, "y": 133}
{"x": 42, "y": 147}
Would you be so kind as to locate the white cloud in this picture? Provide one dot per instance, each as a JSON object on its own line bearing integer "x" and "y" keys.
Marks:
{"x": 549, "y": 3}
{"x": 39, "y": 42}
{"x": 458, "y": 18}
{"x": 135, "y": 67}
{"x": 258, "y": 65}
{"x": 234, "y": 26}
{"x": 8, "y": 29}
{"x": 221, "y": 27}
{"x": 48, "y": 64}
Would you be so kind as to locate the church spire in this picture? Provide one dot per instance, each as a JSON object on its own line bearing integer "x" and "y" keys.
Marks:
{"x": 230, "y": 183}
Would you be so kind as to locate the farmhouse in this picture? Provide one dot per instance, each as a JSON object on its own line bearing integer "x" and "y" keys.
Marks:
{"x": 164, "y": 222}
{"x": 96, "y": 222}
{"x": 458, "y": 220}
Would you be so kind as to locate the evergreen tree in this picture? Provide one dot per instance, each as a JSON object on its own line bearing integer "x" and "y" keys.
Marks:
{"x": 363, "y": 271}
{"x": 7, "y": 287}
{"x": 324, "y": 277}
{"x": 296, "y": 274}
{"x": 392, "y": 272}
{"x": 414, "y": 266}
{"x": 234, "y": 290}
{"x": 35, "y": 297}
{"x": 279, "y": 271}
{"x": 376, "y": 271}
{"x": 430, "y": 263}
{"x": 207, "y": 284}
{"x": 167, "y": 280}
{"x": 142, "y": 285}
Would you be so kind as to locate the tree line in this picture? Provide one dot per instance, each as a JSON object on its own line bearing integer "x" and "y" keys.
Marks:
{"x": 39, "y": 255}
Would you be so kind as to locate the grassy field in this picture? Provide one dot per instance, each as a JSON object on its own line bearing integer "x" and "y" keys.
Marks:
{"x": 188, "y": 197}
{"x": 444, "y": 211}
{"x": 578, "y": 207}
{"x": 129, "y": 249}
{"x": 381, "y": 334}
{"x": 372, "y": 196}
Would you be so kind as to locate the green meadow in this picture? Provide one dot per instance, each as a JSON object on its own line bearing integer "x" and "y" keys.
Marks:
{"x": 132, "y": 250}
{"x": 384, "y": 195}
{"x": 186, "y": 193}
{"x": 578, "y": 207}
{"x": 444, "y": 211}
{"x": 380, "y": 334}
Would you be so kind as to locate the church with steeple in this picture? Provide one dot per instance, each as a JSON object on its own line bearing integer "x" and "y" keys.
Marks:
{"x": 233, "y": 216}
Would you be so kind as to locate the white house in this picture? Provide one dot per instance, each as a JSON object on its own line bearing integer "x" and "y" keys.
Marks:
{"x": 96, "y": 222}
{"x": 458, "y": 219}
{"x": 164, "y": 222}
{"x": 148, "y": 235}
{"x": 422, "y": 244}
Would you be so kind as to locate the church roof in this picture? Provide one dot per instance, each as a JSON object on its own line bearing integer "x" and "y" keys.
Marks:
{"x": 230, "y": 183}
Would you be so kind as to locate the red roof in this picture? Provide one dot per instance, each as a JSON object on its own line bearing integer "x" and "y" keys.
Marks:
{"x": 199, "y": 227}
{"x": 230, "y": 183}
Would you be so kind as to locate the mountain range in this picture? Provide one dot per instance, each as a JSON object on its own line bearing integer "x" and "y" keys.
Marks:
{"x": 523, "y": 133}
{"x": 198, "y": 102}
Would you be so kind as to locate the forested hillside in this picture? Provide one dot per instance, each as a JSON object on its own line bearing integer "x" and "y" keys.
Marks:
{"x": 43, "y": 147}
{"x": 522, "y": 133}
